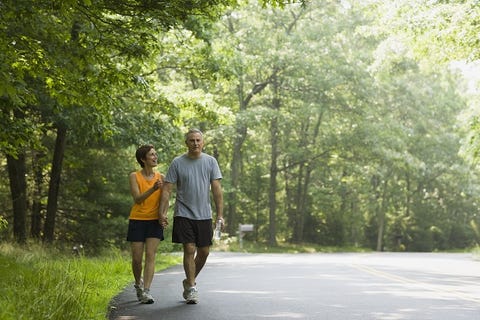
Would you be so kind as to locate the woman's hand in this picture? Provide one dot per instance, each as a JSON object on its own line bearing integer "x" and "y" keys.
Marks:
{"x": 158, "y": 184}
{"x": 163, "y": 220}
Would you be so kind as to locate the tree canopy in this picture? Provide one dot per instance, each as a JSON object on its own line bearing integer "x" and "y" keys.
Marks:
{"x": 346, "y": 123}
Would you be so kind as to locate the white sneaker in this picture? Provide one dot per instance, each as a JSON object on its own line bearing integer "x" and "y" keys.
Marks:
{"x": 192, "y": 296}
{"x": 139, "y": 290}
{"x": 147, "y": 297}
{"x": 185, "y": 289}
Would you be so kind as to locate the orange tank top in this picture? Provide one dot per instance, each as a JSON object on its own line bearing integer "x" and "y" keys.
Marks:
{"x": 148, "y": 209}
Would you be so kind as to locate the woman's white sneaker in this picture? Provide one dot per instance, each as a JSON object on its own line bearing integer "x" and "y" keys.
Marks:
{"x": 139, "y": 290}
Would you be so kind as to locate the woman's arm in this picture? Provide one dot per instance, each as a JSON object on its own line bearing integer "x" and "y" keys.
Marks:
{"x": 135, "y": 190}
{"x": 164, "y": 203}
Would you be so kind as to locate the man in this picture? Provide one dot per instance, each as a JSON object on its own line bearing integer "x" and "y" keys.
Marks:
{"x": 194, "y": 174}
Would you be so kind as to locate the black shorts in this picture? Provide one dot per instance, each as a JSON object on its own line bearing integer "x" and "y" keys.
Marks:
{"x": 140, "y": 230}
{"x": 187, "y": 230}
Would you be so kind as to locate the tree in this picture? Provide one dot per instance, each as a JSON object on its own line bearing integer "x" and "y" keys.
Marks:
{"x": 329, "y": 127}
{"x": 445, "y": 33}
{"x": 48, "y": 49}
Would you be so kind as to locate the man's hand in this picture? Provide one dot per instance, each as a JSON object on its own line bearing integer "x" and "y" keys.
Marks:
{"x": 222, "y": 222}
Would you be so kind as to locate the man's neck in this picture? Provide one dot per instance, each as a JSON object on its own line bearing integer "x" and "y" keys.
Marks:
{"x": 194, "y": 155}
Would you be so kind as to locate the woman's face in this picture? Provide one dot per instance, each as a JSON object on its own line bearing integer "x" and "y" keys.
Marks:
{"x": 151, "y": 158}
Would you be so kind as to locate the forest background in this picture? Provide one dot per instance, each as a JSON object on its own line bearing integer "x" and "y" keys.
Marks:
{"x": 336, "y": 123}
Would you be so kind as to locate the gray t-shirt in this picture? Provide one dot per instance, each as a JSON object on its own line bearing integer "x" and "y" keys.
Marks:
{"x": 192, "y": 178}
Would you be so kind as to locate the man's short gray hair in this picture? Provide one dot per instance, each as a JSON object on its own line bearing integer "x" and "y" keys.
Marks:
{"x": 193, "y": 130}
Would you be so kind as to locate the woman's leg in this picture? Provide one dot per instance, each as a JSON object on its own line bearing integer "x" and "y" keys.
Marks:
{"x": 151, "y": 245}
{"x": 137, "y": 256}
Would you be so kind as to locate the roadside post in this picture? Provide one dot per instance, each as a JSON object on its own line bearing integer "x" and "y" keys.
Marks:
{"x": 242, "y": 228}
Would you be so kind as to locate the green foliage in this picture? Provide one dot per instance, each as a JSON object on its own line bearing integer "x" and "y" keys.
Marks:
{"x": 364, "y": 103}
{"x": 383, "y": 154}
{"x": 3, "y": 223}
{"x": 473, "y": 146}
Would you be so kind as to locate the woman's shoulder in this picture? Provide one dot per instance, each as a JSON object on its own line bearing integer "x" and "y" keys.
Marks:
{"x": 134, "y": 173}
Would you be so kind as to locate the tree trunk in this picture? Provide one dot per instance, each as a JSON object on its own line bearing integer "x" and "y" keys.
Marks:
{"x": 237, "y": 157}
{"x": 272, "y": 200}
{"x": 297, "y": 214}
{"x": 18, "y": 188}
{"x": 54, "y": 184}
{"x": 304, "y": 202}
{"x": 236, "y": 165}
{"x": 303, "y": 181}
{"x": 272, "y": 234}
{"x": 36, "y": 224}
{"x": 381, "y": 217}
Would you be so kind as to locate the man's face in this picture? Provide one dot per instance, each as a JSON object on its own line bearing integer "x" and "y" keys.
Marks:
{"x": 194, "y": 143}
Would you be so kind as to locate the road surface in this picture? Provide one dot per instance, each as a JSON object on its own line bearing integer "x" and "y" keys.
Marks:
{"x": 338, "y": 286}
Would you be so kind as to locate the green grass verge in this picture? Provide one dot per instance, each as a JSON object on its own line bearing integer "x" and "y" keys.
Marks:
{"x": 40, "y": 283}
{"x": 476, "y": 253}
{"x": 231, "y": 244}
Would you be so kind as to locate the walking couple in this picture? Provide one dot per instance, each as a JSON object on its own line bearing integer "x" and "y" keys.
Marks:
{"x": 193, "y": 174}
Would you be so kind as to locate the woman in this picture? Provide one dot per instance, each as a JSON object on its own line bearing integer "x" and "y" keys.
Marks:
{"x": 144, "y": 229}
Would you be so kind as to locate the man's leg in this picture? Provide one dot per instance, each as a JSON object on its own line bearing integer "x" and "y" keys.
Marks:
{"x": 201, "y": 258}
{"x": 193, "y": 261}
{"x": 189, "y": 263}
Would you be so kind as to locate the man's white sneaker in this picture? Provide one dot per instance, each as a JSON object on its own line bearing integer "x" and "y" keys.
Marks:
{"x": 192, "y": 296}
{"x": 147, "y": 297}
{"x": 186, "y": 286}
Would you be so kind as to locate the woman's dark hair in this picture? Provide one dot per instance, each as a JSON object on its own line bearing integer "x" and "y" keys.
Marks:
{"x": 141, "y": 153}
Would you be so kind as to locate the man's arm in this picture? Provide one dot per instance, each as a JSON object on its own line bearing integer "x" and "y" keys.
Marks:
{"x": 164, "y": 203}
{"x": 218, "y": 199}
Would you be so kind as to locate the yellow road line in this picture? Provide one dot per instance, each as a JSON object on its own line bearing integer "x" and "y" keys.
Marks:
{"x": 396, "y": 278}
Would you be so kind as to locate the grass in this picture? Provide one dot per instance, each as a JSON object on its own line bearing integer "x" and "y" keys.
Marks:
{"x": 40, "y": 283}
{"x": 476, "y": 252}
{"x": 231, "y": 244}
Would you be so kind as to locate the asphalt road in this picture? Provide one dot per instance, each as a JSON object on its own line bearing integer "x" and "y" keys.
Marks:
{"x": 349, "y": 286}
